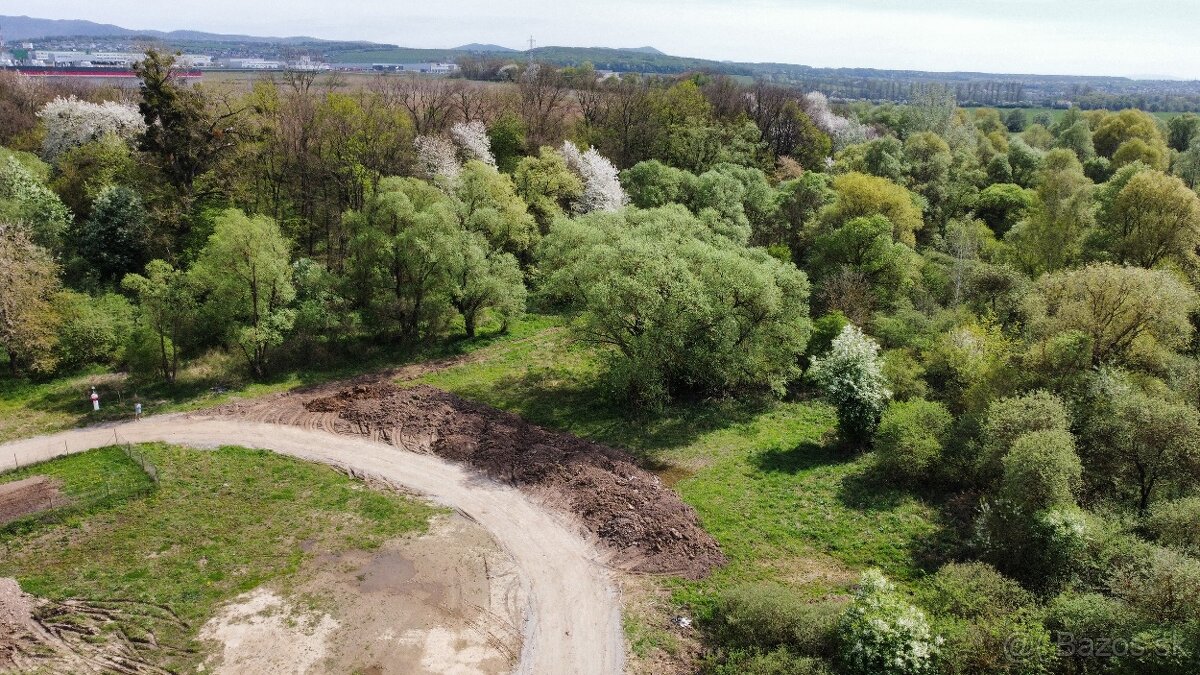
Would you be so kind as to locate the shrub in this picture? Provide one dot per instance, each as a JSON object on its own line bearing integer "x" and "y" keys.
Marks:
{"x": 776, "y": 662}
{"x": 904, "y": 374}
{"x": 1073, "y": 616}
{"x": 881, "y": 634}
{"x": 1041, "y": 471}
{"x": 1016, "y": 643}
{"x": 93, "y": 331}
{"x": 972, "y": 590}
{"x": 910, "y": 438}
{"x": 981, "y": 614}
{"x": 1164, "y": 586}
{"x": 851, "y": 376}
{"x": 1176, "y": 524}
{"x": 1043, "y": 550}
{"x": 1010, "y": 418}
{"x": 767, "y": 616}
{"x": 825, "y": 331}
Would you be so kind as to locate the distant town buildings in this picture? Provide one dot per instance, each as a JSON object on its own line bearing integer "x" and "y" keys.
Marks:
{"x": 427, "y": 68}
{"x": 100, "y": 59}
{"x": 73, "y": 57}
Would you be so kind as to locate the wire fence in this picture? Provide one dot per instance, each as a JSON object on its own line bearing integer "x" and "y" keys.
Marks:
{"x": 45, "y": 503}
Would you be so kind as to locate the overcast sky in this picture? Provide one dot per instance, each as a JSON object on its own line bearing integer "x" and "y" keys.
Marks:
{"x": 1082, "y": 37}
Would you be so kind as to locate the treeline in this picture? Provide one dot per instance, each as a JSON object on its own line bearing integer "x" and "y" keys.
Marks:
{"x": 1003, "y": 309}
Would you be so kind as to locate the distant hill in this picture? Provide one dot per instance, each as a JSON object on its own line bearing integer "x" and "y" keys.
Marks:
{"x": 15, "y": 28}
{"x": 477, "y": 48}
{"x": 644, "y": 50}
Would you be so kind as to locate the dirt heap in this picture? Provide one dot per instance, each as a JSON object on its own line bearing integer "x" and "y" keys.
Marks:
{"x": 643, "y": 525}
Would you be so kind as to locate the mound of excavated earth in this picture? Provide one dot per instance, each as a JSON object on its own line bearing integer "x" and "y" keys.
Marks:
{"x": 641, "y": 523}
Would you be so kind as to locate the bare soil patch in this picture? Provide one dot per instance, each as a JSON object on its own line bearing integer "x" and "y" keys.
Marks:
{"x": 449, "y": 601}
{"x": 641, "y": 524}
{"x": 31, "y": 495}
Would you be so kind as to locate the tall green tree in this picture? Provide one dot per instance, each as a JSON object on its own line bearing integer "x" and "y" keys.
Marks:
{"x": 1062, "y": 215}
{"x": 1154, "y": 218}
{"x": 166, "y": 303}
{"x": 112, "y": 242}
{"x": 403, "y": 244}
{"x": 185, "y": 136}
{"x": 678, "y": 308}
{"x": 246, "y": 269}
{"x": 1181, "y": 130}
{"x": 483, "y": 281}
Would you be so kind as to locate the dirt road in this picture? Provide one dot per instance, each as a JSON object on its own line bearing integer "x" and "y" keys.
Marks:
{"x": 572, "y": 622}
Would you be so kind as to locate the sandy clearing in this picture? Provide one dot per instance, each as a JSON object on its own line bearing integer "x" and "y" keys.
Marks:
{"x": 262, "y": 633}
{"x": 572, "y": 619}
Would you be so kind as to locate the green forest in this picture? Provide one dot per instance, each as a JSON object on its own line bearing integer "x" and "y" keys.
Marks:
{"x": 981, "y": 323}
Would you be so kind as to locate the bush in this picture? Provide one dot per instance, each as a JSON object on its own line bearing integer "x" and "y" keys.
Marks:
{"x": 910, "y": 438}
{"x": 1016, "y": 643}
{"x": 143, "y": 352}
{"x": 777, "y": 662}
{"x": 972, "y": 590}
{"x": 1176, "y": 524}
{"x": 881, "y": 634}
{"x": 1044, "y": 550}
{"x": 825, "y": 331}
{"x": 904, "y": 374}
{"x": 980, "y": 613}
{"x": 767, "y": 616}
{"x": 851, "y": 376}
{"x": 93, "y": 331}
{"x": 1010, "y": 418}
{"x": 1164, "y": 586}
{"x": 1041, "y": 471}
{"x": 1090, "y": 615}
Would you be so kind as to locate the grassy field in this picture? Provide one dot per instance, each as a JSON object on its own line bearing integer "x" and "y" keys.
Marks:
{"x": 785, "y": 503}
{"x": 31, "y": 408}
{"x": 221, "y": 523}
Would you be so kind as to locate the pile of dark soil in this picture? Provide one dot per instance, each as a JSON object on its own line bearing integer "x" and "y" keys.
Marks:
{"x": 643, "y": 524}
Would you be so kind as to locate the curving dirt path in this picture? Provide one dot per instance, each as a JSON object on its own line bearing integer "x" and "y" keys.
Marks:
{"x": 572, "y": 622}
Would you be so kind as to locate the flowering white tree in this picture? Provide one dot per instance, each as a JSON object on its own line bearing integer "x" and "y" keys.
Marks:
{"x": 473, "y": 141}
{"x": 881, "y": 634}
{"x": 70, "y": 123}
{"x": 437, "y": 156}
{"x": 602, "y": 189}
{"x": 851, "y": 375}
{"x": 842, "y": 130}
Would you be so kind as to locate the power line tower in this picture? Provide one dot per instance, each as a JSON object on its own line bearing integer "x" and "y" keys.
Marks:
{"x": 532, "y": 44}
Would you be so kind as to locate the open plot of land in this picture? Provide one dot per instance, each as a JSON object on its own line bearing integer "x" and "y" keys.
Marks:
{"x": 126, "y": 585}
{"x": 571, "y": 619}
